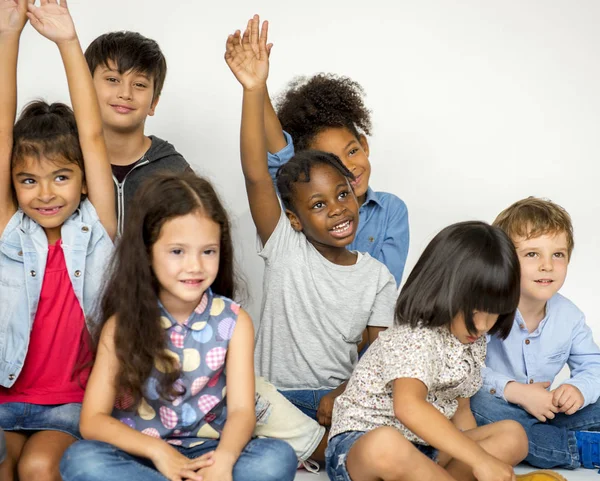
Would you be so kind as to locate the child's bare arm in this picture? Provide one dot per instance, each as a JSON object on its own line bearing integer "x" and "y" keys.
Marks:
{"x": 13, "y": 16}
{"x": 53, "y": 20}
{"x": 250, "y": 64}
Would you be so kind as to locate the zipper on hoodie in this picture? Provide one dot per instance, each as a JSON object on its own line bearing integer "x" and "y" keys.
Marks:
{"x": 120, "y": 190}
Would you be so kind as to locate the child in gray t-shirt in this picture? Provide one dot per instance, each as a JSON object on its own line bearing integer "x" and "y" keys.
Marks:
{"x": 318, "y": 296}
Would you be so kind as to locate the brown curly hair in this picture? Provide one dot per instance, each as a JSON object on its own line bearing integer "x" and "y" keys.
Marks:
{"x": 310, "y": 105}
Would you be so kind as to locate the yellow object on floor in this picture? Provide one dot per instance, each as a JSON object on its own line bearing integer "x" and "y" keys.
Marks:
{"x": 543, "y": 475}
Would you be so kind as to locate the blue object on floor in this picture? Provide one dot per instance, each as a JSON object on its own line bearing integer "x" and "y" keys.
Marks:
{"x": 588, "y": 443}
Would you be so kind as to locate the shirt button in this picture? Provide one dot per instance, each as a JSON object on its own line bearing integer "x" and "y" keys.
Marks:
{"x": 492, "y": 391}
{"x": 521, "y": 326}
{"x": 77, "y": 273}
{"x": 531, "y": 381}
{"x": 371, "y": 239}
{"x": 20, "y": 253}
{"x": 32, "y": 273}
{"x": 85, "y": 228}
{"x": 527, "y": 341}
{"x": 11, "y": 377}
{"x": 178, "y": 328}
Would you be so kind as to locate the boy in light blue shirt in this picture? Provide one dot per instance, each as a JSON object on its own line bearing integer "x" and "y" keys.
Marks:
{"x": 549, "y": 331}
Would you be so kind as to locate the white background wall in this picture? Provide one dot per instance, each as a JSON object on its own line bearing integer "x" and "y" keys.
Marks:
{"x": 475, "y": 103}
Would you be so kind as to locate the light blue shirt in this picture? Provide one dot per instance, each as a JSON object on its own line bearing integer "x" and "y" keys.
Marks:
{"x": 23, "y": 254}
{"x": 562, "y": 338}
{"x": 383, "y": 221}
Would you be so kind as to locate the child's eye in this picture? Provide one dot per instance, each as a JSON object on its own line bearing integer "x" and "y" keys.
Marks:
{"x": 210, "y": 252}
{"x": 112, "y": 80}
{"x": 61, "y": 178}
{"x": 353, "y": 151}
{"x": 28, "y": 181}
{"x": 177, "y": 251}
{"x": 343, "y": 194}
{"x": 318, "y": 205}
{"x": 139, "y": 85}
{"x": 560, "y": 255}
{"x": 531, "y": 254}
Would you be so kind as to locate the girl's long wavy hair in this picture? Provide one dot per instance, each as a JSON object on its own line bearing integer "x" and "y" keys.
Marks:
{"x": 131, "y": 292}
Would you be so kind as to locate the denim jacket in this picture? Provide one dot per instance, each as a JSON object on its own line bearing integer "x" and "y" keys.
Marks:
{"x": 23, "y": 254}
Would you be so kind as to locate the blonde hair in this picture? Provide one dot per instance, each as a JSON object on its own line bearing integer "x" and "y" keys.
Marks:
{"x": 534, "y": 217}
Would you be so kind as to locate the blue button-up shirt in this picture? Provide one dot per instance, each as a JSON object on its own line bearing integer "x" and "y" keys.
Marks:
{"x": 561, "y": 338}
{"x": 383, "y": 221}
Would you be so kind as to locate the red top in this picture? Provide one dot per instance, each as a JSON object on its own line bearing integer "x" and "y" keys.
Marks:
{"x": 58, "y": 361}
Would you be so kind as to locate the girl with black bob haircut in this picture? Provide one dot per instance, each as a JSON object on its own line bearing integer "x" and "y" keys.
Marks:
{"x": 406, "y": 408}
{"x": 467, "y": 267}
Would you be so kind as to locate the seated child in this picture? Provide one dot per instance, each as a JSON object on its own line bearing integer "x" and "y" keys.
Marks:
{"x": 171, "y": 394}
{"x": 319, "y": 296}
{"x": 129, "y": 72}
{"x": 548, "y": 332}
{"x": 327, "y": 112}
{"x": 57, "y": 220}
{"x": 405, "y": 412}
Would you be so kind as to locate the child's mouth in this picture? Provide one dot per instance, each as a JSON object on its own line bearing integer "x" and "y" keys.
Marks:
{"x": 544, "y": 282}
{"x": 342, "y": 229}
{"x": 48, "y": 210}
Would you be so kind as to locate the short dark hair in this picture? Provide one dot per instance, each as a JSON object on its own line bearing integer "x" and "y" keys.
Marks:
{"x": 313, "y": 104}
{"x": 298, "y": 170}
{"x": 129, "y": 51}
{"x": 468, "y": 266}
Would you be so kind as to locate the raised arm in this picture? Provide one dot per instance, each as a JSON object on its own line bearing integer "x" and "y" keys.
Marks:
{"x": 53, "y": 20}
{"x": 249, "y": 63}
{"x": 13, "y": 16}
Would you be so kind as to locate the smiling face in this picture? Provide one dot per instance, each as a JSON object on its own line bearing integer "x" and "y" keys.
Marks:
{"x": 483, "y": 322}
{"x": 185, "y": 261}
{"x": 48, "y": 191}
{"x": 352, "y": 151}
{"x": 126, "y": 99}
{"x": 544, "y": 261}
{"x": 325, "y": 209}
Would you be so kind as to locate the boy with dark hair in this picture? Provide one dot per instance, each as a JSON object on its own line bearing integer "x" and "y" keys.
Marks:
{"x": 129, "y": 72}
{"x": 548, "y": 332}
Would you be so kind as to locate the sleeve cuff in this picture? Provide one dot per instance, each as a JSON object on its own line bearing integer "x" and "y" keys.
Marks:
{"x": 495, "y": 384}
{"x": 277, "y": 159}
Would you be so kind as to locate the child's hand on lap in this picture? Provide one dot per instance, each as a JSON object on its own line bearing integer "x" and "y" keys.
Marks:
{"x": 53, "y": 21}
{"x": 175, "y": 466}
{"x": 325, "y": 410}
{"x": 13, "y": 15}
{"x": 220, "y": 470}
{"x": 567, "y": 398}
{"x": 248, "y": 56}
{"x": 534, "y": 398}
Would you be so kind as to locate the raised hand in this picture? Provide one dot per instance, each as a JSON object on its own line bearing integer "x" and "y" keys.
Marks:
{"x": 13, "y": 15}
{"x": 53, "y": 20}
{"x": 248, "y": 56}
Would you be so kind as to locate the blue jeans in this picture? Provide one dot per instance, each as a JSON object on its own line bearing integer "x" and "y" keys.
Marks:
{"x": 261, "y": 460}
{"x": 38, "y": 417}
{"x": 307, "y": 400}
{"x": 551, "y": 444}
{"x": 339, "y": 446}
{"x": 2, "y": 446}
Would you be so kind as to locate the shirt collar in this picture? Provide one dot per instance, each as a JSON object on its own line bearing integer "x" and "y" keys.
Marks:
{"x": 372, "y": 197}
{"x": 200, "y": 313}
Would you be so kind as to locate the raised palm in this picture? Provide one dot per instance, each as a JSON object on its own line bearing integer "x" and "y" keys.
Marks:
{"x": 13, "y": 15}
{"x": 53, "y": 20}
{"x": 247, "y": 55}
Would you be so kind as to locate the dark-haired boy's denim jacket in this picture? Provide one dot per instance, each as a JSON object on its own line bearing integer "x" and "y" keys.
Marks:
{"x": 23, "y": 253}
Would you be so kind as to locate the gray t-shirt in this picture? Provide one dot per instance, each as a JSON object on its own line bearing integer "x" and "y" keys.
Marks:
{"x": 314, "y": 312}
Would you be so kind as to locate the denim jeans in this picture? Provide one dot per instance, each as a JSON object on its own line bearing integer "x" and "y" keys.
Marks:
{"x": 2, "y": 446}
{"x": 307, "y": 400}
{"x": 38, "y": 417}
{"x": 261, "y": 460}
{"x": 551, "y": 444}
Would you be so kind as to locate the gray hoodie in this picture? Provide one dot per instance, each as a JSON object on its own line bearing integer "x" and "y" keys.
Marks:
{"x": 160, "y": 157}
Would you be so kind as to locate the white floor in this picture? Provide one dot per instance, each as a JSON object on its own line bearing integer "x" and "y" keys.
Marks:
{"x": 578, "y": 475}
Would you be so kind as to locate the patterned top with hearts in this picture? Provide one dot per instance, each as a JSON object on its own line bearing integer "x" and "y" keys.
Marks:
{"x": 200, "y": 346}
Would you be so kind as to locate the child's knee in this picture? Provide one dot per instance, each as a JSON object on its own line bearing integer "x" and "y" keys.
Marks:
{"x": 392, "y": 454}
{"x": 277, "y": 461}
{"x": 83, "y": 457}
{"x": 516, "y": 437}
{"x": 39, "y": 466}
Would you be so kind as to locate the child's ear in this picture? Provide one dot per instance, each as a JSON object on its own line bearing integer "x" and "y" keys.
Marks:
{"x": 153, "y": 105}
{"x": 294, "y": 220}
{"x": 364, "y": 143}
